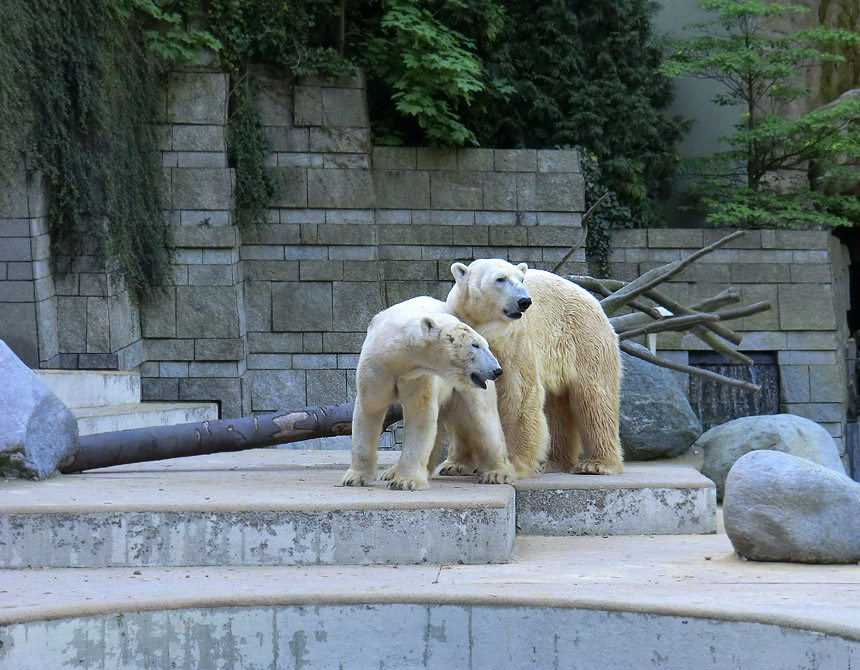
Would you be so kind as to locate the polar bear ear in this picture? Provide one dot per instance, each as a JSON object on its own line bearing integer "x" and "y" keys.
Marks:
{"x": 459, "y": 271}
{"x": 522, "y": 267}
{"x": 429, "y": 327}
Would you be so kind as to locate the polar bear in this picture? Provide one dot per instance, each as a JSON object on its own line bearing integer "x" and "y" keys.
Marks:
{"x": 417, "y": 352}
{"x": 559, "y": 397}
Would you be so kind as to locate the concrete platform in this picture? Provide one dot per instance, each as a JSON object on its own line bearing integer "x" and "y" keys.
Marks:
{"x": 92, "y": 388}
{"x": 659, "y": 498}
{"x": 562, "y": 602}
{"x": 103, "y": 419}
{"x": 260, "y": 507}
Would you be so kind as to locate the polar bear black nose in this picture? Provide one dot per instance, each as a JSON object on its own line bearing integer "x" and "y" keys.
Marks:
{"x": 497, "y": 373}
{"x": 524, "y": 303}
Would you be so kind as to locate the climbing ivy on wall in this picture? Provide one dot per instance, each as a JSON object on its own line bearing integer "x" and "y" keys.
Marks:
{"x": 81, "y": 74}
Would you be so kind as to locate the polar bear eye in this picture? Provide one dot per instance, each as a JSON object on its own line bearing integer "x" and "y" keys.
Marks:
{"x": 476, "y": 346}
{"x": 500, "y": 279}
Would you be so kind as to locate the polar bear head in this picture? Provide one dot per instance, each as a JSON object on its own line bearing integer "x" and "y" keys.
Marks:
{"x": 489, "y": 290}
{"x": 459, "y": 351}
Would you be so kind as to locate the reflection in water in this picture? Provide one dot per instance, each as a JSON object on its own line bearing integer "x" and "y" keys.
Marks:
{"x": 716, "y": 404}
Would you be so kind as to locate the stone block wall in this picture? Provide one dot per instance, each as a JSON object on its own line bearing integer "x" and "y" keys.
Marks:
{"x": 272, "y": 316}
{"x": 804, "y": 276}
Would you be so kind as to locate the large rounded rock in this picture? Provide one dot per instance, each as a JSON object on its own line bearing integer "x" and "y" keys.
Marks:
{"x": 37, "y": 431}
{"x": 784, "y": 508}
{"x": 790, "y": 434}
{"x": 656, "y": 418}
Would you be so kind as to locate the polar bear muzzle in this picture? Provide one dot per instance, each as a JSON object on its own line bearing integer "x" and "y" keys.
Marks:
{"x": 488, "y": 369}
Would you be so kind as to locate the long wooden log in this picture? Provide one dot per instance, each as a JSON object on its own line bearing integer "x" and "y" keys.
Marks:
{"x": 211, "y": 437}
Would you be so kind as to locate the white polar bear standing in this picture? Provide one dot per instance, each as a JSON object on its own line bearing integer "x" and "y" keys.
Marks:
{"x": 417, "y": 352}
{"x": 559, "y": 396}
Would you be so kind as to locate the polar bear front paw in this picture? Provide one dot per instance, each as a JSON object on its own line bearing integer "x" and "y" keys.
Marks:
{"x": 594, "y": 467}
{"x": 453, "y": 469}
{"x": 502, "y": 476}
{"x": 389, "y": 474}
{"x": 357, "y": 478}
{"x": 408, "y": 483}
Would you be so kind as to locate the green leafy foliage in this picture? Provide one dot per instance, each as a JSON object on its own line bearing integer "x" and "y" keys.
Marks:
{"x": 247, "y": 148}
{"x": 776, "y": 170}
{"x": 611, "y": 214}
{"x": 585, "y": 73}
{"x": 82, "y": 73}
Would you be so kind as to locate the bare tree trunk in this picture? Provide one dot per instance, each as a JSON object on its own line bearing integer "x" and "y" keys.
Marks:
{"x": 211, "y": 437}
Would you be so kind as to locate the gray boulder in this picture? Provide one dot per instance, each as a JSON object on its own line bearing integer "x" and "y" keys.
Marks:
{"x": 37, "y": 430}
{"x": 656, "y": 418}
{"x": 780, "y": 507}
{"x": 790, "y": 434}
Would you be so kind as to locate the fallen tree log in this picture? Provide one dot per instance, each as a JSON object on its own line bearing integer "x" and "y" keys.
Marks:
{"x": 211, "y": 437}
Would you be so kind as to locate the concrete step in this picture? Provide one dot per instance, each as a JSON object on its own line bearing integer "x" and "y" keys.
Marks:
{"x": 675, "y": 602}
{"x": 92, "y": 388}
{"x": 102, "y": 419}
{"x": 653, "y": 498}
{"x": 259, "y": 507}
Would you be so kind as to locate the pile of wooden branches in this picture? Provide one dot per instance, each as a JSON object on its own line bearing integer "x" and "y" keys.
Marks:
{"x": 705, "y": 319}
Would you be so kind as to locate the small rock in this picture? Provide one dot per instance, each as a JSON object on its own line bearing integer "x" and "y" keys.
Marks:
{"x": 790, "y": 434}
{"x": 656, "y": 418}
{"x": 780, "y": 507}
{"x": 37, "y": 430}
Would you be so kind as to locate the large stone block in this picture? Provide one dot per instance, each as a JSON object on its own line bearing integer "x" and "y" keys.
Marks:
{"x": 196, "y": 138}
{"x": 402, "y": 189}
{"x": 291, "y": 187}
{"x": 37, "y": 431}
{"x": 500, "y": 191}
{"x": 218, "y": 350}
{"x": 355, "y": 304}
{"x": 806, "y": 307}
{"x": 555, "y": 160}
{"x": 393, "y": 158}
{"x": 479, "y": 160}
{"x": 273, "y": 390}
{"x": 826, "y": 383}
{"x": 202, "y": 188}
{"x": 274, "y": 101}
{"x": 197, "y": 97}
{"x": 124, "y": 321}
{"x": 158, "y": 313}
{"x": 344, "y": 107}
{"x": 340, "y": 140}
{"x": 455, "y": 190}
{"x": 274, "y": 342}
{"x": 308, "y": 106}
{"x": 436, "y": 158}
{"x": 226, "y": 392}
{"x": 301, "y": 306}
{"x": 206, "y": 311}
{"x": 335, "y": 188}
{"x": 550, "y": 192}
{"x": 326, "y": 387}
{"x": 769, "y": 320}
{"x": 258, "y": 305}
{"x": 516, "y": 160}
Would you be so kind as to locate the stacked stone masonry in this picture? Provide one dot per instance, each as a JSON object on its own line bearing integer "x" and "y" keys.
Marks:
{"x": 273, "y": 316}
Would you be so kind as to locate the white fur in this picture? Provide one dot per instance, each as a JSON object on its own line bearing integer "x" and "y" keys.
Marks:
{"x": 560, "y": 390}
{"x": 417, "y": 352}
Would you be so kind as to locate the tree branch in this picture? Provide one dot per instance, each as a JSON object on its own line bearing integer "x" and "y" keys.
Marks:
{"x": 628, "y": 348}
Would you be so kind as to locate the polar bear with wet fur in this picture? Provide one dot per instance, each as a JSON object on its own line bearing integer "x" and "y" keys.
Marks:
{"x": 559, "y": 396}
{"x": 418, "y": 353}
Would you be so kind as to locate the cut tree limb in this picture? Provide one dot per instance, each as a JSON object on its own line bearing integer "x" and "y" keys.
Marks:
{"x": 628, "y": 348}
{"x": 210, "y": 437}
